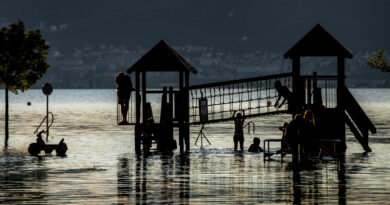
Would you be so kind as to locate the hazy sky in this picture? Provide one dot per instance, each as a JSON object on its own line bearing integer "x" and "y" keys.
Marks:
{"x": 237, "y": 26}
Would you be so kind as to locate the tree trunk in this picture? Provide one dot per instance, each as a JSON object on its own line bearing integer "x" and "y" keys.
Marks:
{"x": 6, "y": 117}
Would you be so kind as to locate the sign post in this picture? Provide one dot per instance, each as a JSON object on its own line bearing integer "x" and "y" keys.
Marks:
{"x": 47, "y": 89}
{"x": 203, "y": 112}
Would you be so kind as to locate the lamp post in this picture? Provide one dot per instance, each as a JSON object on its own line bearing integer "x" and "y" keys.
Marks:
{"x": 47, "y": 89}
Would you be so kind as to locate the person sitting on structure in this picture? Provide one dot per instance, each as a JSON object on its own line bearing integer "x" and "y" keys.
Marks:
{"x": 147, "y": 135}
{"x": 40, "y": 141}
{"x": 35, "y": 148}
{"x": 255, "y": 147}
{"x": 61, "y": 148}
{"x": 293, "y": 133}
{"x": 284, "y": 92}
{"x": 123, "y": 92}
{"x": 308, "y": 132}
{"x": 239, "y": 120}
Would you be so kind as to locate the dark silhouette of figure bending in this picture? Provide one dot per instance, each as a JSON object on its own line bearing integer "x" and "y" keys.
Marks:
{"x": 123, "y": 91}
{"x": 284, "y": 92}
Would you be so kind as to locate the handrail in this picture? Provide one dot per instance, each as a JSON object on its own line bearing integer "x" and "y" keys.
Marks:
{"x": 249, "y": 127}
{"x": 52, "y": 120}
{"x": 320, "y": 76}
{"x": 357, "y": 114}
{"x": 268, "y": 77}
{"x": 246, "y": 116}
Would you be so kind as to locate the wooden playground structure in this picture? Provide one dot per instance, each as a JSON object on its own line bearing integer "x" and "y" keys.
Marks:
{"x": 326, "y": 95}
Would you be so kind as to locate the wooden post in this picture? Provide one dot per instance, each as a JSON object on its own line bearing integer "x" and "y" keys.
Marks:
{"x": 340, "y": 96}
{"x": 180, "y": 116}
{"x": 144, "y": 97}
{"x": 186, "y": 112}
{"x": 308, "y": 91}
{"x": 170, "y": 114}
{"x": 137, "y": 131}
{"x": 296, "y": 75}
{"x": 315, "y": 92}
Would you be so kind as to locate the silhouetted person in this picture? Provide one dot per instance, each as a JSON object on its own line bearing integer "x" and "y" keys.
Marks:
{"x": 293, "y": 132}
{"x": 255, "y": 147}
{"x": 40, "y": 141}
{"x": 147, "y": 134}
{"x": 61, "y": 148}
{"x": 284, "y": 92}
{"x": 308, "y": 131}
{"x": 239, "y": 120}
{"x": 35, "y": 148}
{"x": 123, "y": 92}
{"x": 283, "y": 144}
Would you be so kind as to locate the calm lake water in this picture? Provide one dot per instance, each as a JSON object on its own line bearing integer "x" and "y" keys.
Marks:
{"x": 101, "y": 167}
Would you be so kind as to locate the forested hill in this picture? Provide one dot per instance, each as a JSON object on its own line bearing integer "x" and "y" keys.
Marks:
{"x": 88, "y": 36}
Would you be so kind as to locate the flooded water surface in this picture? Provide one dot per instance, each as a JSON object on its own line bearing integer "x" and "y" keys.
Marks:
{"x": 101, "y": 167}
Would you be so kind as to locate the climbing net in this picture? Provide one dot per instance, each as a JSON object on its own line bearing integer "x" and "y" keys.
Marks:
{"x": 255, "y": 96}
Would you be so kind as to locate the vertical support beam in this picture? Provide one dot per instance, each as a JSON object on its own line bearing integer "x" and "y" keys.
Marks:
{"x": 297, "y": 90}
{"x": 314, "y": 81}
{"x": 137, "y": 131}
{"x": 186, "y": 111}
{"x": 308, "y": 90}
{"x": 144, "y": 97}
{"x": 340, "y": 80}
{"x": 315, "y": 92}
{"x": 180, "y": 116}
{"x": 340, "y": 96}
{"x": 170, "y": 114}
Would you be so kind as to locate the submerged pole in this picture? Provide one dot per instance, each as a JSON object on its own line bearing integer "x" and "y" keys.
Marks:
{"x": 6, "y": 118}
{"x": 47, "y": 89}
{"x": 137, "y": 131}
{"x": 47, "y": 118}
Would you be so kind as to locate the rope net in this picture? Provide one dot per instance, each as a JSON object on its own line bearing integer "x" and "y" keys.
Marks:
{"x": 256, "y": 96}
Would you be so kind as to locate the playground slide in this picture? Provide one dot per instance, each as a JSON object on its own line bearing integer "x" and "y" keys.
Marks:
{"x": 357, "y": 120}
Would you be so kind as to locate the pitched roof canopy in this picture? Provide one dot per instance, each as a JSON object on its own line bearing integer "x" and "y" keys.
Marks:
{"x": 162, "y": 58}
{"x": 318, "y": 42}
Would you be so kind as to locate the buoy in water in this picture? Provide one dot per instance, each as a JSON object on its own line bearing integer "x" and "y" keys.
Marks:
{"x": 28, "y": 103}
{"x": 269, "y": 103}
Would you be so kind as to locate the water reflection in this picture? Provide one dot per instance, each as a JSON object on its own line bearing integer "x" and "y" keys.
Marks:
{"x": 123, "y": 180}
{"x": 169, "y": 183}
{"x": 171, "y": 179}
{"x": 18, "y": 185}
{"x": 325, "y": 183}
{"x": 183, "y": 175}
{"x": 342, "y": 181}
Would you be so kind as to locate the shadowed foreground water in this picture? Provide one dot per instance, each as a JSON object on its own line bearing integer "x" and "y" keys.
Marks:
{"x": 101, "y": 168}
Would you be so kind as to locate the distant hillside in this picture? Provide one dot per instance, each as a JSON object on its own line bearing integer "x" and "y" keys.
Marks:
{"x": 92, "y": 40}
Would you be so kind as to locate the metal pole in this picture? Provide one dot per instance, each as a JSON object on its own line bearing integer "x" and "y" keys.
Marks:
{"x": 47, "y": 118}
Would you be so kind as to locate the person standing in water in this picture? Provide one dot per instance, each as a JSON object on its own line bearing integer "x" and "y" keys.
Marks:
{"x": 123, "y": 92}
{"x": 239, "y": 120}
